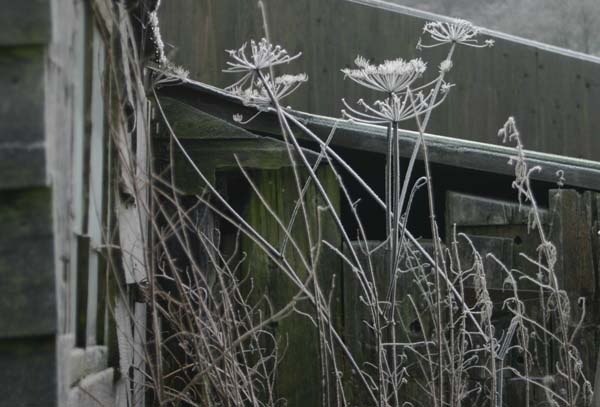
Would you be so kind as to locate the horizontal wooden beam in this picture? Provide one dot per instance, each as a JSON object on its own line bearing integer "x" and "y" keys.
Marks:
{"x": 443, "y": 150}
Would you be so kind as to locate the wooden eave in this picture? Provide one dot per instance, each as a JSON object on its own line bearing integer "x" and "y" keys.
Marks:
{"x": 206, "y": 99}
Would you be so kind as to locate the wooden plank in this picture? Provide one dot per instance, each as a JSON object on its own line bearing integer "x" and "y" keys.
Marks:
{"x": 83, "y": 362}
{"x": 97, "y": 389}
{"x": 298, "y": 378}
{"x": 26, "y": 264}
{"x": 573, "y": 216}
{"x": 25, "y": 23}
{"x": 96, "y": 192}
{"x": 360, "y": 338}
{"x": 139, "y": 355}
{"x": 28, "y": 373}
{"x": 22, "y": 81}
{"x": 443, "y": 150}
{"x": 471, "y": 210}
{"x": 515, "y": 77}
{"x": 216, "y": 155}
{"x": 189, "y": 122}
{"x": 22, "y": 158}
{"x": 571, "y": 227}
{"x": 494, "y": 226}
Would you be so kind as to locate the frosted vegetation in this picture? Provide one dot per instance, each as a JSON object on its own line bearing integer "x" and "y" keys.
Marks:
{"x": 223, "y": 338}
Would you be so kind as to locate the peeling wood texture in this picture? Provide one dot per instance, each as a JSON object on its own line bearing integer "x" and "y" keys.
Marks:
{"x": 515, "y": 77}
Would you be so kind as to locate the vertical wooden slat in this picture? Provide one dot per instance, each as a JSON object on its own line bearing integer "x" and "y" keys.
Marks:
{"x": 139, "y": 360}
{"x": 572, "y": 220}
{"x": 96, "y": 183}
{"x": 298, "y": 376}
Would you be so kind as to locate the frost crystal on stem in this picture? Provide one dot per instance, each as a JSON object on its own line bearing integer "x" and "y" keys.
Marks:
{"x": 390, "y": 77}
{"x": 262, "y": 55}
{"x": 396, "y": 108}
{"x": 453, "y": 31}
{"x": 257, "y": 95}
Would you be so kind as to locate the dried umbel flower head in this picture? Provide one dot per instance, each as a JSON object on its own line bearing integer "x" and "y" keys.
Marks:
{"x": 396, "y": 108}
{"x": 263, "y": 55}
{"x": 390, "y": 77}
{"x": 258, "y": 96}
{"x": 453, "y": 31}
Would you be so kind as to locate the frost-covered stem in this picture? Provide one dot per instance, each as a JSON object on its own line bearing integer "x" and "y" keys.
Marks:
{"x": 553, "y": 281}
{"x": 394, "y": 252}
{"x": 457, "y": 379}
{"x": 425, "y": 122}
{"x": 286, "y": 128}
{"x": 413, "y": 240}
{"x": 436, "y": 257}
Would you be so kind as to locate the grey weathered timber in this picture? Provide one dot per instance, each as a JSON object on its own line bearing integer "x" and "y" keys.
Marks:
{"x": 215, "y": 155}
{"x": 98, "y": 389}
{"x": 215, "y": 145}
{"x": 572, "y": 219}
{"x": 22, "y": 156}
{"x": 361, "y": 339}
{"x": 187, "y": 121}
{"x": 24, "y": 22}
{"x": 83, "y": 362}
{"x": 96, "y": 193}
{"x": 26, "y": 264}
{"x": 454, "y": 152}
{"x": 550, "y": 91}
{"x": 497, "y": 227}
{"x": 574, "y": 235}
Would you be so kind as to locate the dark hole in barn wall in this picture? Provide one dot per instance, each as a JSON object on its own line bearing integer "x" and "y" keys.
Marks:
{"x": 371, "y": 167}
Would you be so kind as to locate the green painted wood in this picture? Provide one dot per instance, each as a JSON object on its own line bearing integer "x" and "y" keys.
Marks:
{"x": 515, "y": 77}
{"x": 27, "y": 288}
{"x": 298, "y": 379}
{"x": 25, "y": 23}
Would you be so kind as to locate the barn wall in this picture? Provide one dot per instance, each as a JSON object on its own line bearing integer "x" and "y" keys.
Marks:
{"x": 52, "y": 186}
{"x": 550, "y": 93}
{"x": 27, "y": 328}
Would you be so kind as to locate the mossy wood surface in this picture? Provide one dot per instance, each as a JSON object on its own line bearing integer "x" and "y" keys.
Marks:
{"x": 298, "y": 378}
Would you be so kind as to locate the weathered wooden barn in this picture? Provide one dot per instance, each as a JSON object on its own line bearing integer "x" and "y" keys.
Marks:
{"x": 60, "y": 182}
